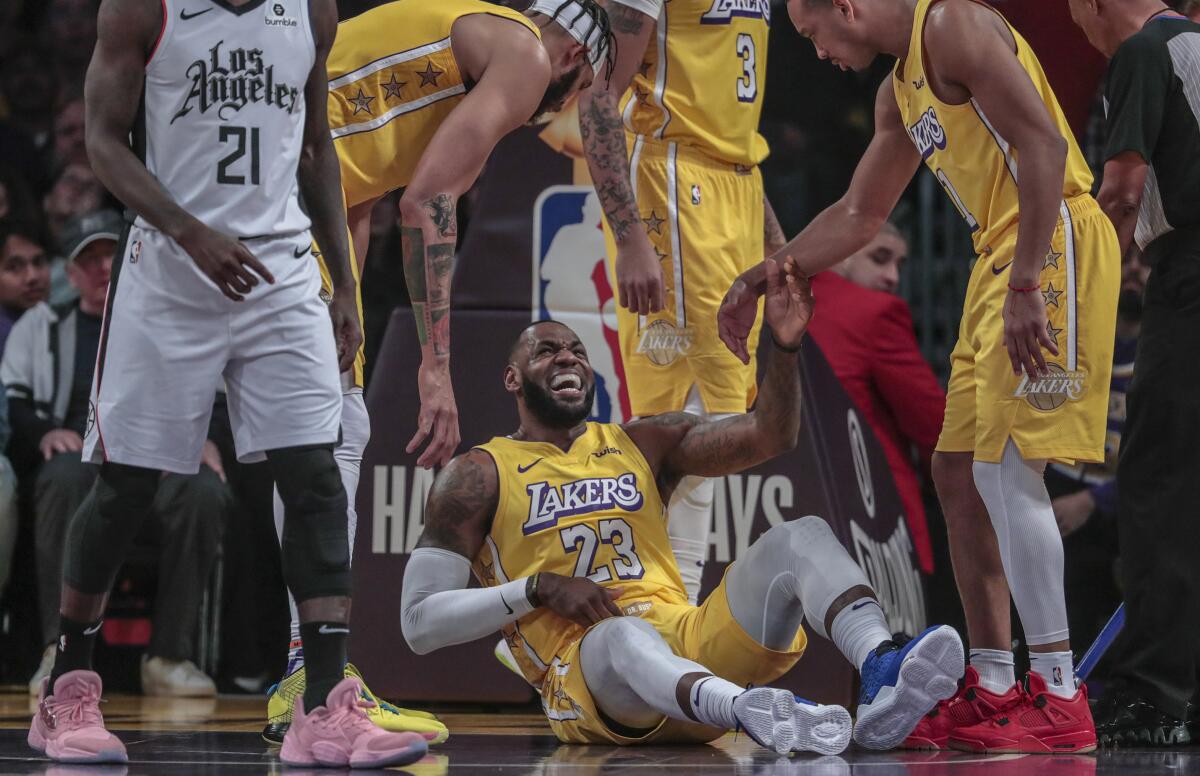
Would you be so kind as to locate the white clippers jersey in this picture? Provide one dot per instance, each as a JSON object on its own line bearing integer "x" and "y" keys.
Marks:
{"x": 224, "y": 112}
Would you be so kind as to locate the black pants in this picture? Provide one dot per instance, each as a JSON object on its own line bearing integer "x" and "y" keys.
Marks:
{"x": 1158, "y": 481}
{"x": 185, "y": 524}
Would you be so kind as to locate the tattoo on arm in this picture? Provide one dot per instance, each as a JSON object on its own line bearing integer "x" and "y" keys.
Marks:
{"x": 773, "y": 236}
{"x": 624, "y": 19}
{"x": 429, "y": 269}
{"x": 461, "y": 506}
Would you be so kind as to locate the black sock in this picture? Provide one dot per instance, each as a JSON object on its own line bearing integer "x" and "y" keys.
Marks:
{"x": 324, "y": 659}
{"x": 74, "y": 651}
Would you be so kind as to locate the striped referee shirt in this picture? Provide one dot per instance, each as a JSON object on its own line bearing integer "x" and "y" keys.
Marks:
{"x": 1152, "y": 99}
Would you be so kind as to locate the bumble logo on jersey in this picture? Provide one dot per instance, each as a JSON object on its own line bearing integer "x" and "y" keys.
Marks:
{"x": 592, "y": 511}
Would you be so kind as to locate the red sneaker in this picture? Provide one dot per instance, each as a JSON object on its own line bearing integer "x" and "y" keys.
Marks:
{"x": 971, "y": 705}
{"x": 1042, "y": 723}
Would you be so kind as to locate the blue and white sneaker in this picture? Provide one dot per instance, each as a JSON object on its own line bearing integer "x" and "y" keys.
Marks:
{"x": 780, "y": 721}
{"x": 902, "y": 682}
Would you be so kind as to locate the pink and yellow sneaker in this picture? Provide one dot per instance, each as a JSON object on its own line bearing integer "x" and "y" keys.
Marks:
{"x": 69, "y": 727}
{"x": 339, "y": 734}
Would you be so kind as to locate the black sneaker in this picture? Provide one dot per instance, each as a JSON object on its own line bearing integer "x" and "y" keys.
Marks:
{"x": 1124, "y": 718}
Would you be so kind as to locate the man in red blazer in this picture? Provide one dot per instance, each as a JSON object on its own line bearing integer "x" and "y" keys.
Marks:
{"x": 865, "y": 332}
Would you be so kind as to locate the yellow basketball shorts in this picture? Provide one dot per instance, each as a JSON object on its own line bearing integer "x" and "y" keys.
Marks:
{"x": 1062, "y": 417}
{"x": 707, "y": 634}
{"x": 705, "y": 220}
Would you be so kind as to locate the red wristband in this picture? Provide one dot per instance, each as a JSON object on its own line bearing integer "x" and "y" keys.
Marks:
{"x": 1026, "y": 290}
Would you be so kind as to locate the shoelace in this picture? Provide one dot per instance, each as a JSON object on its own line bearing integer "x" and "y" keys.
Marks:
{"x": 85, "y": 709}
{"x": 348, "y": 715}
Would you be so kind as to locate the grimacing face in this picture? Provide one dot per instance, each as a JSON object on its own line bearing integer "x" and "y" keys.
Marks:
{"x": 557, "y": 382}
{"x": 832, "y": 32}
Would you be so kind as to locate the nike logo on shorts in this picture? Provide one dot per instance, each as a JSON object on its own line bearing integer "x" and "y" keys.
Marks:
{"x": 522, "y": 469}
{"x": 325, "y": 630}
{"x": 183, "y": 14}
{"x": 301, "y": 252}
{"x": 997, "y": 270}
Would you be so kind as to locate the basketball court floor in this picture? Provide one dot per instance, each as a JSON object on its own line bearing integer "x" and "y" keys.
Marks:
{"x": 220, "y": 736}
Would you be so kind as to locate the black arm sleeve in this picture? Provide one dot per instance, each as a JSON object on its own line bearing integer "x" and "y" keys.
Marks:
{"x": 1139, "y": 82}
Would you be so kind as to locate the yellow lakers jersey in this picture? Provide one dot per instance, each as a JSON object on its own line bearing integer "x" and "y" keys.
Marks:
{"x": 393, "y": 79}
{"x": 974, "y": 164}
{"x": 593, "y": 511}
{"x": 702, "y": 79}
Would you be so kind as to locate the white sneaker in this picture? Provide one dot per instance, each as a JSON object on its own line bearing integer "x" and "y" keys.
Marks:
{"x": 43, "y": 670}
{"x": 175, "y": 678}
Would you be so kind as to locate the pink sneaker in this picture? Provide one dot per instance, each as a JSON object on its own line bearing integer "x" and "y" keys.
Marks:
{"x": 69, "y": 727}
{"x": 340, "y": 734}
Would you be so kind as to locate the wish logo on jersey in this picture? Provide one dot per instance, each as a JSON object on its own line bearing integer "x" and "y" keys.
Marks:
{"x": 548, "y": 503}
{"x": 928, "y": 134}
{"x": 723, "y": 11}
{"x": 571, "y": 285}
{"x": 233, "y": 79}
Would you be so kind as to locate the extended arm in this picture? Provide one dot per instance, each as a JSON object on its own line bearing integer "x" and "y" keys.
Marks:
{"x": 507, "y": 94}
{"x": 1121, "y": 193}
{"x": 639, "y": 276}
{"x": 320, "y": 179}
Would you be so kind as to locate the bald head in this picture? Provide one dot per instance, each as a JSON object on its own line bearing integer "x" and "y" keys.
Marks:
{"x": 549, "y": 374}
{"x": 526, "y": 342}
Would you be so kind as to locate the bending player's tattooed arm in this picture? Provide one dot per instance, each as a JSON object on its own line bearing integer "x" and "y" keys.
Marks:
{"x": 511, "y": 70}
{"x": 840, "y": 230}
{"x": 639, "y": 275}
{"x": 320, "y": 178}
{"x": 126, "y": 34}
{"x": 678, "y": 444}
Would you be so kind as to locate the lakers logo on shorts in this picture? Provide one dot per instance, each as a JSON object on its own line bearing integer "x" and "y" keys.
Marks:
{"x": 1053, "y": 391}
{"x": 662, "y": 342}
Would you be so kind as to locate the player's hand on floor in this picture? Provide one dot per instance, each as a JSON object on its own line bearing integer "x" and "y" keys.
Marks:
{"x": 1026, "y": 332}
{"x": 788, "y": 304}
{"x": 736, "y": 317}
{"x": 438, "y": 419}
{"x": 343, "y": 311}
{"x": 578, "y": 599}
{"x": 60, "y": 440}
{"x": 226, "y": 261}
{"x": 639, "y": 280}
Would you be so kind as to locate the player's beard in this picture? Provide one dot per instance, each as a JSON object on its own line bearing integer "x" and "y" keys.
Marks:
{"x": 541, "y": 402}
{"x": 1129, "y": 305}
{"x": 555, "y": 92}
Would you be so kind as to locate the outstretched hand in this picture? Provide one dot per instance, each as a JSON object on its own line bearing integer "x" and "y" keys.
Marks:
{"x": 736, "y": 317}
{"x": 437, "y": 421}
{"x": 788, "y": 304}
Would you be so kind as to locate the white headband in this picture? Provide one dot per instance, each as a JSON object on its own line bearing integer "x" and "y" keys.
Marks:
{"x": 579, "y": 24}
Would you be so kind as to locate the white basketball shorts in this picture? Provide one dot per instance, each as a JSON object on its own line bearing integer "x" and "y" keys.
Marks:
{"x": 170, "y": 338}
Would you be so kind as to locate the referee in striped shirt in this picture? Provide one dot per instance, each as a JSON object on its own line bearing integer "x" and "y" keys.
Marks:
{"x": 1151, "y": 191}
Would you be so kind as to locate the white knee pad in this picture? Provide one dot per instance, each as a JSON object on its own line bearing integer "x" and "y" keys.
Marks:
{"x": 1031, "y": 549}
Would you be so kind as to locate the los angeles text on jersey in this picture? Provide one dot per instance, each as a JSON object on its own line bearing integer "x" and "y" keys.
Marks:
{"x": 723, "y": 11}
{"x": 548, "y": 503}
{"x": 233, "y": 79}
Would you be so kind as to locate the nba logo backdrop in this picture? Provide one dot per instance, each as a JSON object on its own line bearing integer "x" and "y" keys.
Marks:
{"x": 571, "y": 284}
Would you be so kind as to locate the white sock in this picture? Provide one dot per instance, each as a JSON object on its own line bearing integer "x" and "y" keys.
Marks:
{"x": 712, "y": 701}
{"x": 995, "y": 667}
{"x": 858, "y": 629}
{"x": 1056, "y": 668}
{"x": 1031, "y": 548}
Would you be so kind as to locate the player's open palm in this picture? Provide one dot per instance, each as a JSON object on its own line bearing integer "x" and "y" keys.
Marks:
{"x": 788, "y": 304}
{"x": 735, "y": 318}
{"x": 639, "y": 279}
{"x": 578, "y": 599}
{"x": 226, "y": 261}
{"x": 437, "y": 422}
{"x": 1026, "y": 332}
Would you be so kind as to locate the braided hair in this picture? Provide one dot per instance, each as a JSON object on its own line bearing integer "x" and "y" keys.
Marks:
{"x": 599, "y": 22}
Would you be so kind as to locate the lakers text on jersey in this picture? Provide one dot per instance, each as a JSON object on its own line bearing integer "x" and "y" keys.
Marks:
{"x": 594, "y": 511}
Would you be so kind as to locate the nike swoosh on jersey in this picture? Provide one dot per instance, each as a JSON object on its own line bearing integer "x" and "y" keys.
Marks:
{"x": 183, "y": 14}
{"x": 300, "y": 253}
{"x": 522, "y": 469}
{"x": 997, "y": 270}
{"x": 506, "y": 606}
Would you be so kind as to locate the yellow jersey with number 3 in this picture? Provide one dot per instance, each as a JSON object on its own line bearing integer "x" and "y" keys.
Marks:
{"x": 975, "y": 164}
{"x": 702, "y": 77}
{"x": 593, "y": 511}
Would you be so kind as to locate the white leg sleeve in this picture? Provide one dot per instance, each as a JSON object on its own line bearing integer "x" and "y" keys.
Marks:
{"x": 689, "y": 515}
{"x": 1030, "y": 546}
{"x": 794, "y": 571}
{"x": 356, "y": 432}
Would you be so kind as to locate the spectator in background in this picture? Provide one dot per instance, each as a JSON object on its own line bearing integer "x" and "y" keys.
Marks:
{"x": 866, "y": 333}
{"x": 1150, "y": 192}
{"x": 30, "y": 91}
{"x": 75, "y": 190}
{"x": 8, "y": 499}
{"x": 69, "y": 147}
{"x": 47, "y": 368}
{"x": 1189, "y": 8}
{"x": 24, "y": 274}
{"x": 16, "y": 198}
{"x": 69, "y": 31}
